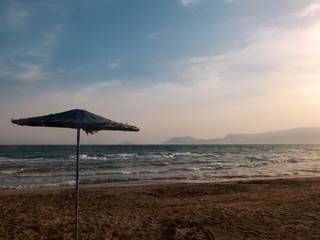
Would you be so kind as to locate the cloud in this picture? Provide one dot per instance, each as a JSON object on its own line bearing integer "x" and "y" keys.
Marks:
{"x": 275, "y": 64}
{"x": 262, "y": 83}
{"x": 31, "y": 73}
{"x": 309, "y": 11}
{"x": 60, "y": 70}
{"x": 36, "y": 55}
{"x": 21, "y": 71}
{"x": 115, "y": 63}
{"x": 52, "y": 36}
{"x": 275, "y": 57}
{"x": 271, "y": 83}
{"x": 44, "y": 46}
{"x": 189, "y": 3}
{"x": 100, "y": 85}
{"x": 16, "y": 16}
{"x": 87, "y": 94}
{"x": 157, "y": 34}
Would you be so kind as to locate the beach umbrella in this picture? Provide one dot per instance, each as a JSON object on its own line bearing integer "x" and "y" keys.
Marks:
{"x": 77, "y": 119}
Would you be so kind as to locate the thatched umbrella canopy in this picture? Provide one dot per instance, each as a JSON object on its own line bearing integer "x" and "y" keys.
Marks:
{"x": 77, "y": 119}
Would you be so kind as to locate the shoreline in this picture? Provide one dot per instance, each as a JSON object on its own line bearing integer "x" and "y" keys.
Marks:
{"x": 288, "y": 208}
{"x": 146, "y": 183}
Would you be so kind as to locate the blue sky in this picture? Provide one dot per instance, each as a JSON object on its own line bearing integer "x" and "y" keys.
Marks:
{"x": 200, "y": 68}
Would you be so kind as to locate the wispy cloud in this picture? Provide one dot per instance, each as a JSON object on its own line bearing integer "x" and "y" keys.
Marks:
{"x": 87, "y": 95}
{"x": 16, "y": 16}
{"x": 32, "y": 50}
{"x": 157, "y": 34}
{"x": 309, "y": 11}
{"x": 93, "y": 92}
{"x": 60, "y": 70}
{"x": 268, "y": 79}
{"x": 52, "y": 35}
{"x": 31, "y": 73}
{"x": 12, "y": 16}
{"x": 115, "y": 63}
{"x": 44, "y": 46}
{"x": 21, "y": 71}
{"x": 274, "y": 62}
{"x": 189, "y": 3}
{"x": 36, "y": 55}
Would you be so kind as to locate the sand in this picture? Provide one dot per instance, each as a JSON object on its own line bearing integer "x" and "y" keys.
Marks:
{"x": 256, "y": 209}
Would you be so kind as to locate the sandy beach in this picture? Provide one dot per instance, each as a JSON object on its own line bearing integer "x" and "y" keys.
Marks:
{"x": 255, "y": 209}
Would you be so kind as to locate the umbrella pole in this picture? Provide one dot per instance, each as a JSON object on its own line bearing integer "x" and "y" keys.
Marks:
{"x": 77, "y": 186}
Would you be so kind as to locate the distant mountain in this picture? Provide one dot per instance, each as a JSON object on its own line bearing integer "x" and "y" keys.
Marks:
{"x": 292, "y": 136}
{"x": 182, "y": 140}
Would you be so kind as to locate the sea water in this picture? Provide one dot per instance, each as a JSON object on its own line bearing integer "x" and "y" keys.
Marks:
{"x": 43, "y": 166}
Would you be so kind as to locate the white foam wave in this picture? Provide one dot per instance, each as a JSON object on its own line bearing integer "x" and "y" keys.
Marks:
{"x": 39, "y": 185}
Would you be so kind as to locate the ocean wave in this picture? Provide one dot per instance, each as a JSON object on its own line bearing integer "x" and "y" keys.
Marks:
{"x": 252, "y": 165}
{"x": 38, "y": 185}
{"x": 10, "y": 172}
{"x": 44, "y": 166}
{"x": 158, "y": 163}
{"x": 257, "y": 158}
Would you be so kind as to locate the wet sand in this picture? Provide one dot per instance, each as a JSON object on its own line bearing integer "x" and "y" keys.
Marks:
{"x": 256, "y": 209}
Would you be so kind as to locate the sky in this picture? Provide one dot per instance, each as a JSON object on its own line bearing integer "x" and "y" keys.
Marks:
{"x": 200, "y": 68}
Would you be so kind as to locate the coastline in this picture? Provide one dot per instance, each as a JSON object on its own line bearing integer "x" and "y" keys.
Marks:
{"x": 151, "y": 182}
{"x": 287, "y": 208}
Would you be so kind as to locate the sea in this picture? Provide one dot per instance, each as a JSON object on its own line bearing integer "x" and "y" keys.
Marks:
{"x": 49, "y": 166}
